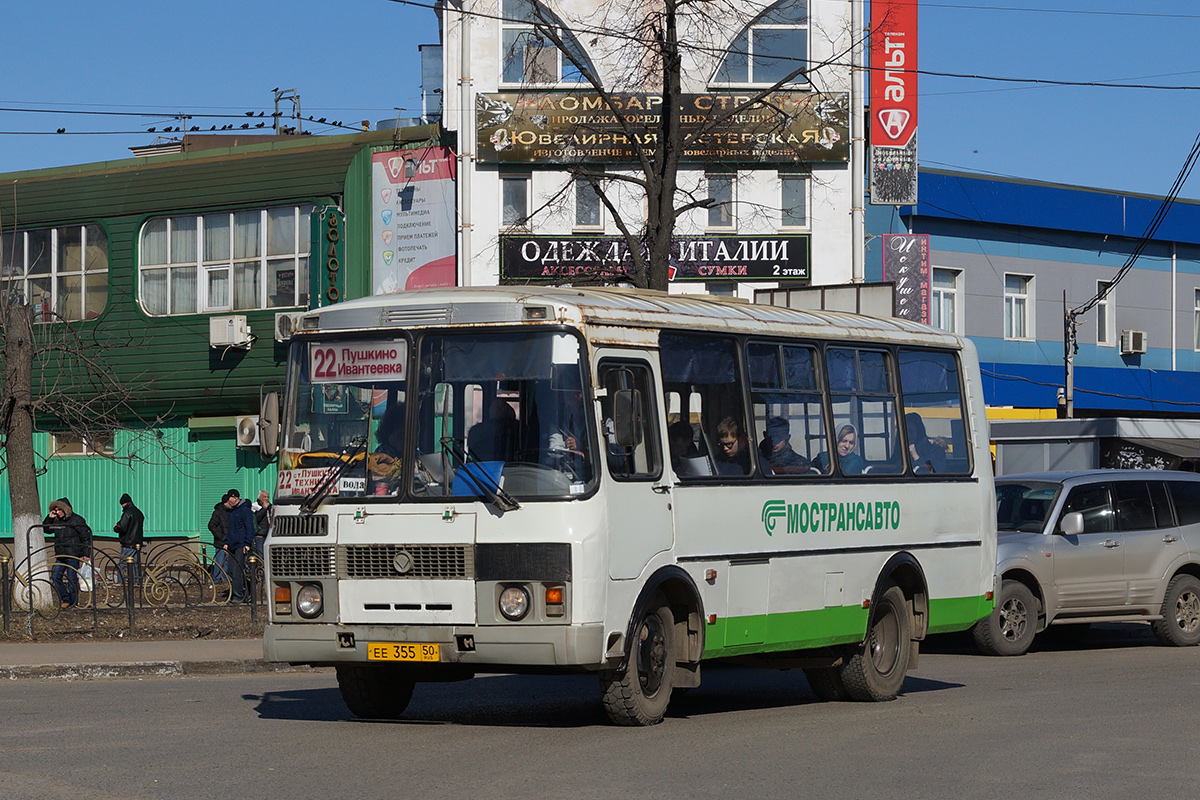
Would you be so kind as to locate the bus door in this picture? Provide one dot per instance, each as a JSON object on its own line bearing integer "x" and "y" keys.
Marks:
{"x": 637, "y": 492}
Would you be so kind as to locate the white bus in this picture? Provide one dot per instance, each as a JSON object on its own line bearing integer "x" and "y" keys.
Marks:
{"x": 627, "y": 483}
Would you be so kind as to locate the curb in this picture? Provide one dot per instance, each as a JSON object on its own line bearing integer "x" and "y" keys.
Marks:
{"x": 145, "y": 669}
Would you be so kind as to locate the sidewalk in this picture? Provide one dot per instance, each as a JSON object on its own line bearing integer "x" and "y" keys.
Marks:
{"x": 117, "y": 659}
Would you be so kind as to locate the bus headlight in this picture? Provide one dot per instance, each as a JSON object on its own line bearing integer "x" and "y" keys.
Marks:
{"x": 308, "y": 600}
{"x": 514, "y": 603}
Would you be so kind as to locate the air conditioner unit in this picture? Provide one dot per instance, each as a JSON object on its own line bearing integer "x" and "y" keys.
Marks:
{"x": 231, "y": 331}
{"x": 247, "y": 431}
{"x": 286, "y": 323}
{"x": 1133, "y": 342}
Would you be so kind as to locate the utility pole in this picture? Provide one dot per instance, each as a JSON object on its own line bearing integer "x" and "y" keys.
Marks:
{"x": 1070, "y": 348}
{"x": 293, "y": 95}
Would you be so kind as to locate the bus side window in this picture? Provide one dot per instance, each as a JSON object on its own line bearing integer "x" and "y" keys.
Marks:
{"x": 933, "y": 413}
{"x": 637, "y": 456}
{"x": 709, "y": 365}
{"x": 789, "y": 415}
{"x": 864, "y": 413}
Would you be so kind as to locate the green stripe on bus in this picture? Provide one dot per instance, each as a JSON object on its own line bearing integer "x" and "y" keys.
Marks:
{"x": 801, "y": 630}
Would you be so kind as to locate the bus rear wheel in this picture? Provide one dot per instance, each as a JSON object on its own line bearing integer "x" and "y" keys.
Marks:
{"x": 375, "y": 691}
{"x": 826, "y": 683}
{"x": 637, "y": 693}
{"x": 876, "y": 668}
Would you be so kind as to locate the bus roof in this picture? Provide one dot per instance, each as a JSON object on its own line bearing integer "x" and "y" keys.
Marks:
{"x": 609, "y": 306}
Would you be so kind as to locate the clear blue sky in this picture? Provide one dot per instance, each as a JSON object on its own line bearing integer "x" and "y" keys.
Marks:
{"x": 357, "y": 59}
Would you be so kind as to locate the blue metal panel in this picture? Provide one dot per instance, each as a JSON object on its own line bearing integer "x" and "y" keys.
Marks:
{"x": 1128, "y": 390}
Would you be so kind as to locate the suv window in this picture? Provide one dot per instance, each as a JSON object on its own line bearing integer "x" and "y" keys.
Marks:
{"x": 1093, "y": 502}
{"x": 1187, "y": 501}
{"x": 1134, "y": 511}
{"x": 1162, "y": 505}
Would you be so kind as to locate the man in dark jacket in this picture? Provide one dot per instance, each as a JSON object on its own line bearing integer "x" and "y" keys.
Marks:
{"x": 72, "y": 544}
{"x": 238, "y": 541}
{"x": 218, "y": 525}
{"x": 129, "y": 529}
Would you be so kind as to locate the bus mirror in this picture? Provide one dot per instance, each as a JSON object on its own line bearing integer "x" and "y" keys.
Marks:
{"x": 627, "y": 417}
{"x": 268, "y": 421}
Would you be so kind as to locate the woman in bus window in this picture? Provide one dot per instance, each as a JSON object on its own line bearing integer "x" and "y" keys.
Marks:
{"x": 850, "y": 461}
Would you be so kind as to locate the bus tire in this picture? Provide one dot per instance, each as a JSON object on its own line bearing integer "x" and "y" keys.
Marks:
{"x": 1010, "y": 628}
{"x": 826, "y": 683}
{"x": 375, "y": 691}
{"x": 1180, "y": 623}
{"x": 876, "y": 668}
{"x": 638, "y": 692}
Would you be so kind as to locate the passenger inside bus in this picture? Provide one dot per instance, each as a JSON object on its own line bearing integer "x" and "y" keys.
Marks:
{"x": 733, "y": 450}
{"x": 776, "y": 449}
{"x": 851, "y": 462}
{"x": 386, "y": 461}
{"x": 927, "y": 457}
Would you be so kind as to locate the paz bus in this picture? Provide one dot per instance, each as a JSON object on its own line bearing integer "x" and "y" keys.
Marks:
{"x": 624, "y": 483}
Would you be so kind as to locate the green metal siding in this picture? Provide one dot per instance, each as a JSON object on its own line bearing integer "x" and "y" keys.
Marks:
{"x": 176, "y": 485}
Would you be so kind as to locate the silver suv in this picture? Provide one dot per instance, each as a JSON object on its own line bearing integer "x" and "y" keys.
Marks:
{"x": 1097, "y": 546}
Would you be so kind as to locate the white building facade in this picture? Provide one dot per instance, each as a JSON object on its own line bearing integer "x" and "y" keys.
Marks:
{"x": 537, "y": 148}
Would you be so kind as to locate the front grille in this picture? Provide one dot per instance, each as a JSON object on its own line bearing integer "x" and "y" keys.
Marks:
{"x": 423, "y": 561}
{"x": 303, "y": 561}
{"x": 307, "y": 525}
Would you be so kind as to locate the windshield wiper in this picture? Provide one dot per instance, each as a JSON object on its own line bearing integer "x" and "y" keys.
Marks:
{"x": 333, "y": 474}
{"x": 479, "y": 477}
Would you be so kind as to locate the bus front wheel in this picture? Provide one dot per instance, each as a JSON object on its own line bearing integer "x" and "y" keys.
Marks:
{"x": 637, "y": 693}
{"x": 375, "y": 691}
{"x": 876, "y": 668}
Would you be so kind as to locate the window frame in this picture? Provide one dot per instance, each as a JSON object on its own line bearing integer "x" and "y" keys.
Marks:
{"x": 525, "y": 180}
{"x": 582, "y": 186}
{"x": 726, "y": 206}
{"x": 938, "y": 295}
{"x": 765, "y": 21}
{"x": 204, "y": 268}
{"x": 105, "y": 445}
{"x": 1106, "y": 315}
{"x": 518, "y": 28}
{"x": 55, "y": 273}
{"x": 1024, "y": 300}
{"x": 784, "y": 179}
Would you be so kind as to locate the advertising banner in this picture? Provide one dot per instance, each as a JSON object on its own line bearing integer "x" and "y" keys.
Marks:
{"x": 573, "y": 127}
{"x": 893, "y": 158}
{"x": 413, "y": 220}
{"x": 327, "y": 281}
{"x": 578, "y": 259}
{"x": 906, "y": 264}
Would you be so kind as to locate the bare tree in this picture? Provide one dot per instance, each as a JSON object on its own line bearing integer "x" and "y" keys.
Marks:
{"x": 651, "y": 47}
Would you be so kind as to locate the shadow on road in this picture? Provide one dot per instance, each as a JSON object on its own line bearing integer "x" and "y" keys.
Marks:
{"x": 560, "y": 701}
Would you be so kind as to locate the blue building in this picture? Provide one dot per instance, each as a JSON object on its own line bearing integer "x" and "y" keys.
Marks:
{"x": 1008, "y": 257}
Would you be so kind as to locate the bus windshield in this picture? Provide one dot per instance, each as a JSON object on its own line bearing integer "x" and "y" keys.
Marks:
{"x": 485, "y": 414}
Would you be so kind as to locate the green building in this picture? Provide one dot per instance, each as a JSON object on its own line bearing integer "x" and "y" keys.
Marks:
{"x": 174, "y": 268}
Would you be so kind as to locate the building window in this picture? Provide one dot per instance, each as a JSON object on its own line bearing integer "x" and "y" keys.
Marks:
{"x": 61, "y": 272}
{"x": 1018, "y": 321}
{"x": 943, "y": 306}
{"x": 229, "y": 261}
{"x": 770, "y": 48}
{"x": 589, "y": 210}
{"x": 74, "y": 444}
{"x": 528, "y": 55}
{"x": 1196, "y": 344}
{"x": 720, "y": 192}
{"x": 514, "y": 200}
{"x": 1106, "y": 317}
{"x": 793, "y": 201}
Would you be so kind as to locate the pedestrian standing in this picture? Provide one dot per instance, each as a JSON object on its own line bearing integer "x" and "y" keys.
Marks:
{"x": 218, "y": 525}
{"x": 264, "y": 520}
{"x": 238, "y": 541}
{"x": 129, "y": 529}
{"x": 72, "y": 545}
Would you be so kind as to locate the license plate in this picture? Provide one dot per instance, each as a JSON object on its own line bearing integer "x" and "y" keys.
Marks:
{"x": 390, "y": 651}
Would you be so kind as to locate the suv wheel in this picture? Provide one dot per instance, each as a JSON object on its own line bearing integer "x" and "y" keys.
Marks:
{"x": 1180, "y": 625}
{"x": 1009, "y": 629}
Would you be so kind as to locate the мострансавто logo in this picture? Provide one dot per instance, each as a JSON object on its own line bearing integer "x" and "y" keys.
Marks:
{"x": 881, "y": 515}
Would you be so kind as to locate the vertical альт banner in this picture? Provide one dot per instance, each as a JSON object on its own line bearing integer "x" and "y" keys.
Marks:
{"x": 893, "y": 158}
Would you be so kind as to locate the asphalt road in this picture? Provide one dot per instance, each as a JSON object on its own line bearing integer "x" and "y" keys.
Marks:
{"x": 1112, "y": 717}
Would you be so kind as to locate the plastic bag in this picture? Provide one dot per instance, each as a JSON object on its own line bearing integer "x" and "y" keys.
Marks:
{"x": 86, "y": 577}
